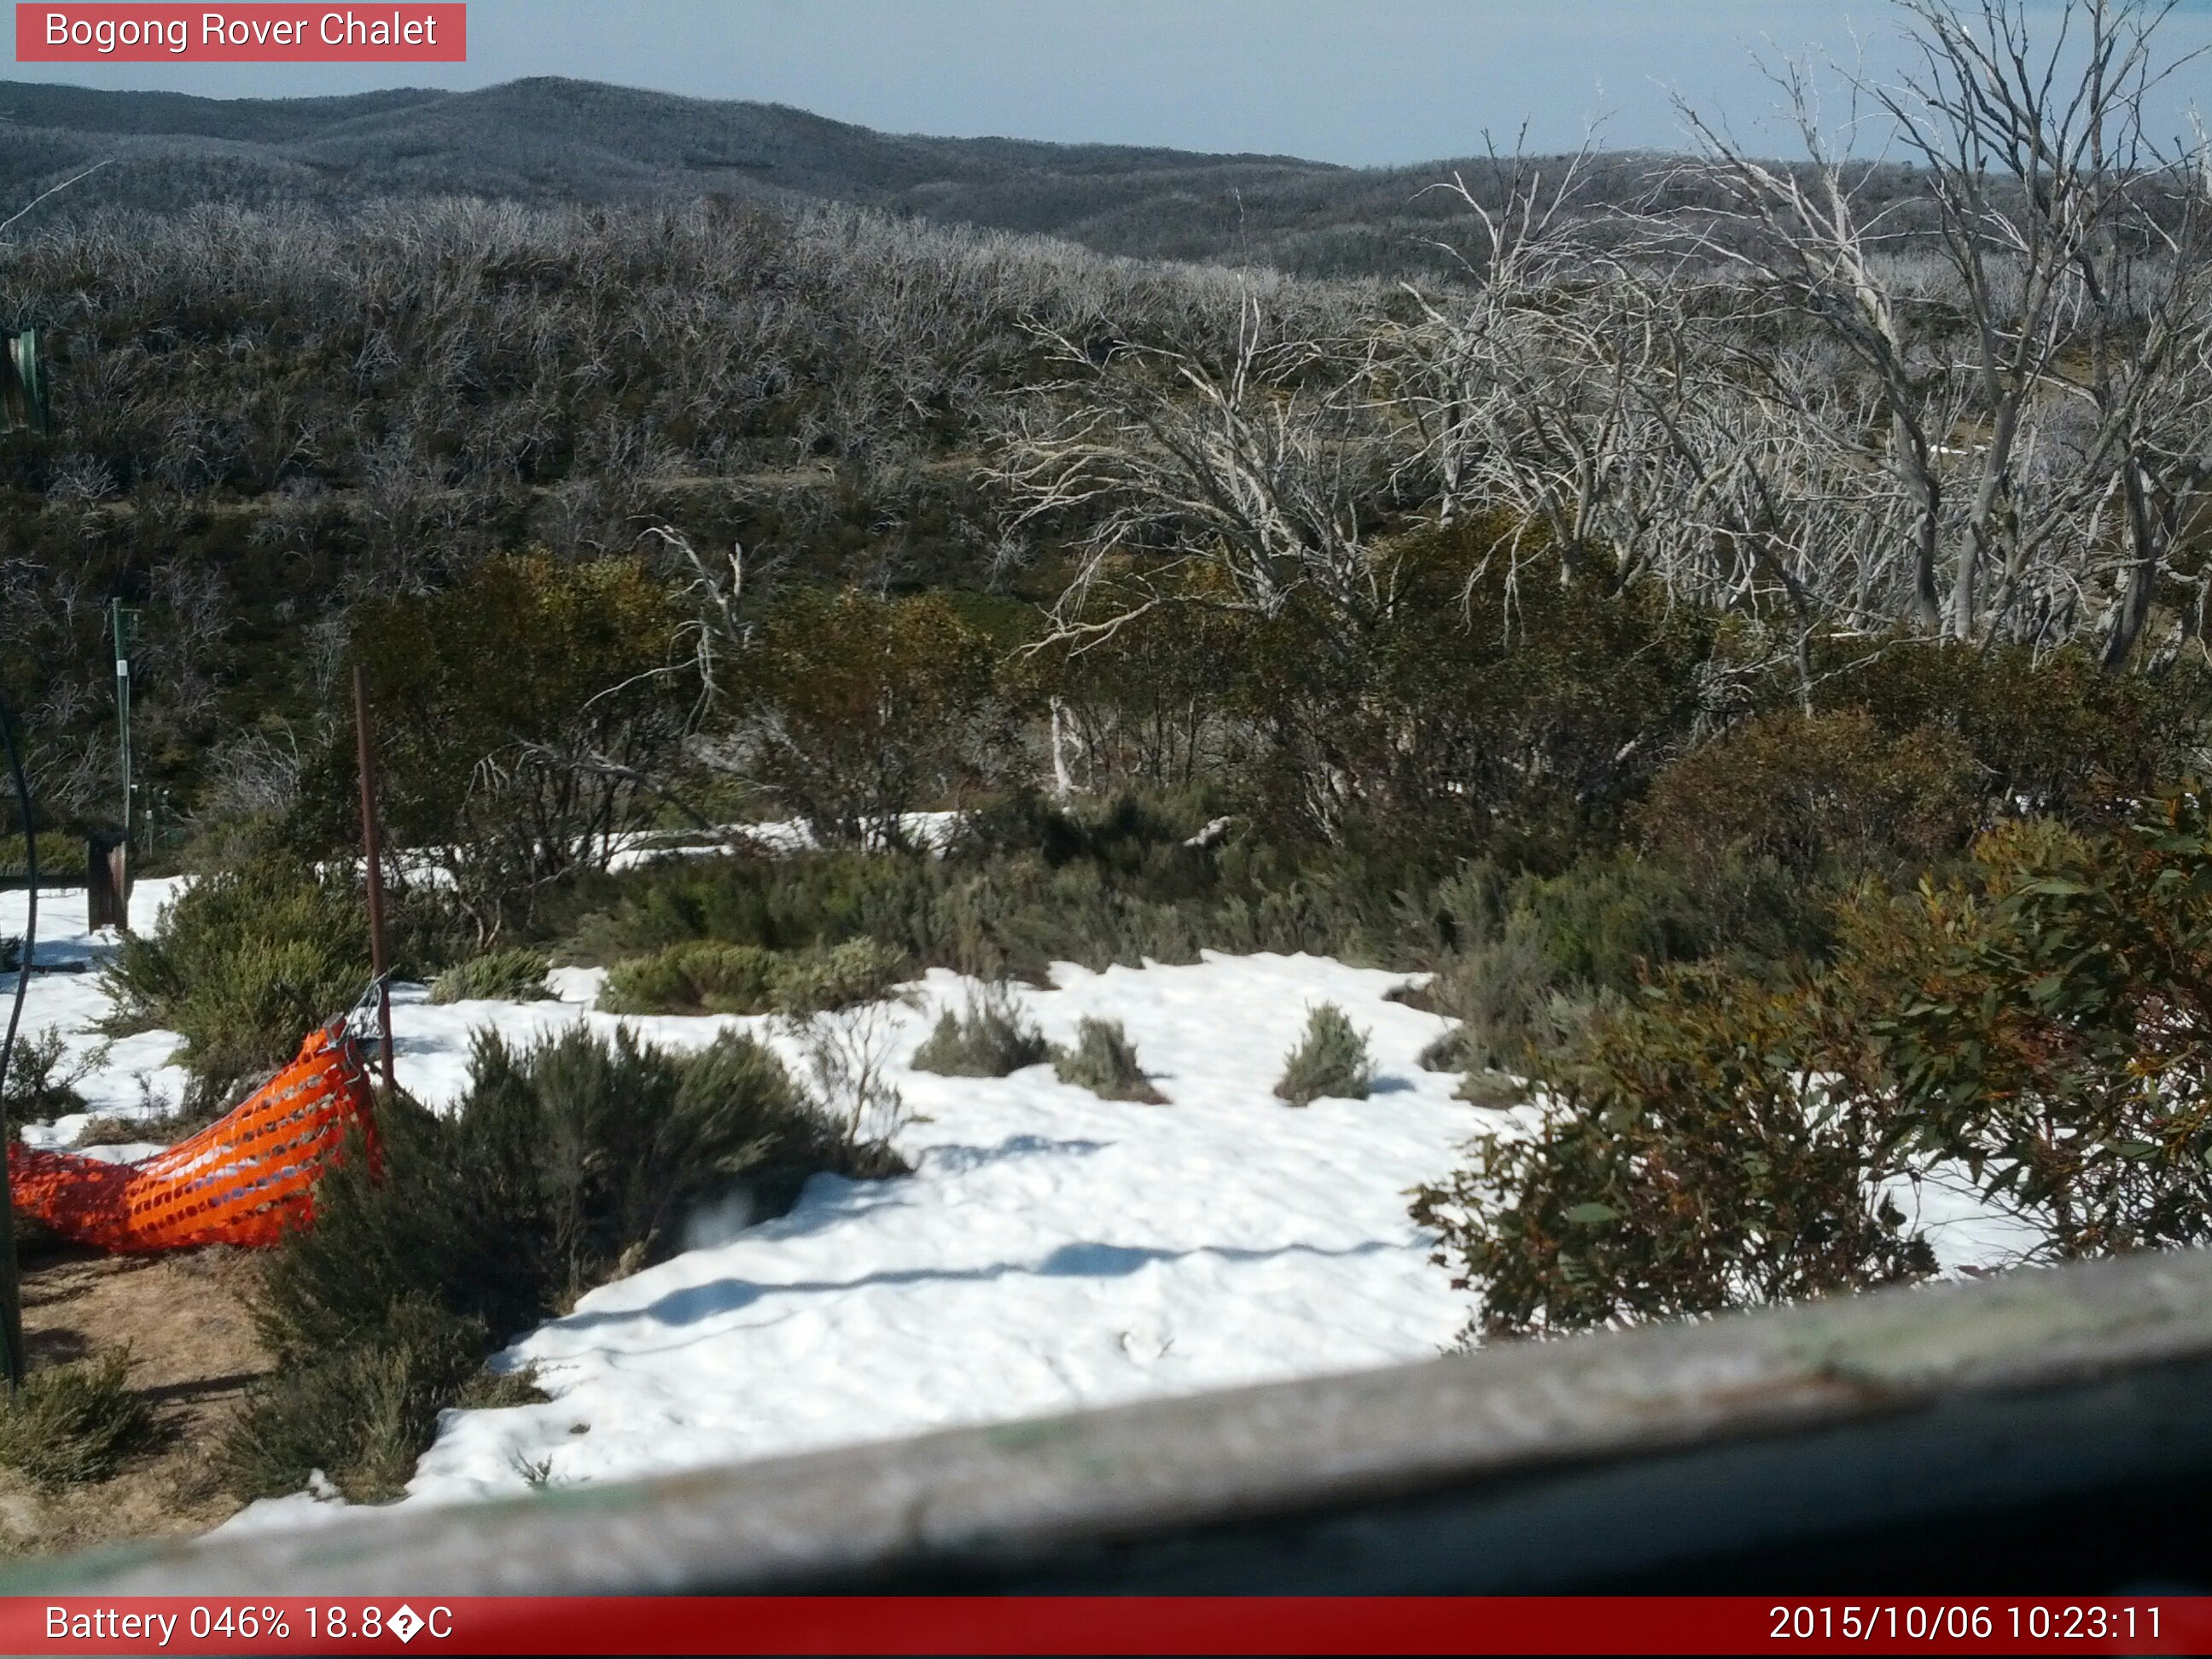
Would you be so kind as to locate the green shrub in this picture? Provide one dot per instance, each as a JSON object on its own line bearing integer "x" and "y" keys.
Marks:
{"x": 2047, "y": 1022}
{"x": 1689, "y": 1160}
{"x": 2049, "y": 731}
{"x": 243, "y": 964}
{"x": 701, "y": 978}
{"x": 71, "y": 1425}
{"x": 523, "y": 772}
{"x": 1493, "y": 1091}
{"x": 1104, "y": 1061}
{"x": 363, "y": 1412}
{"x": 990, "y": 1037}
{"x": 1331, "y": 1060}
{"x": 566, "y": 1164}
{"x": 515, "y": 974}
{"x": 60, "y": 857}
{"x": 867, "y": 707}
{"x": 712, "y": 978}
{"x": 2038, "y": 1020}
{"x": 820, "y": 982}
{"x": 1803, "y": 789}
{"x": 42, "y": 1078}
{"x": 1505, "y": 995}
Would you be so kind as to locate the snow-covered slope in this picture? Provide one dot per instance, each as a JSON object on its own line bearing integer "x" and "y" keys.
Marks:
{"x": 1051, "y": 1251}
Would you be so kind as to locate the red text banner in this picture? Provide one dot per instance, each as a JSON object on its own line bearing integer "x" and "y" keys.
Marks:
{"x": 1102, "y": 1625}
{"x": 117, "y": 31}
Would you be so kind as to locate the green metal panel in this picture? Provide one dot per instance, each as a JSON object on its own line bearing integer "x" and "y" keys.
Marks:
{"x": 23, "y": 397}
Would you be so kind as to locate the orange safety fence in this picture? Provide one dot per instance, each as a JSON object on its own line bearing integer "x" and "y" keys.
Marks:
{"x": 247, "y": 1178}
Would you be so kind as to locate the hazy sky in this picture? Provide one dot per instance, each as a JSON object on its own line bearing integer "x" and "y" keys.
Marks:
{"x": 1353, "y": 80}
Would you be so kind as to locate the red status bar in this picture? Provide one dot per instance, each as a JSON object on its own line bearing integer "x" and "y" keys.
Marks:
{"x": 1103, "y": 1625}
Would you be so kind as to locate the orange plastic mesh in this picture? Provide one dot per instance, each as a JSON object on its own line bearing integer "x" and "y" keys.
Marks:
{"x": 247, "y": 1178}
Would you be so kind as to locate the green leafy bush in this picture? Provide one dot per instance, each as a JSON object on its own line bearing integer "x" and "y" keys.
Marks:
{"x": 363, "y": 1412}
{"x": 2039, "y": 1020}
{"x": 705, "y": 977}
{"x": 243, "y": 964}
{"x": 528, "y": 771}
{"x": 2048, "y": 1023}
{"x": 1029, "y": 885}
{"x": 990, "y": 1037}
{"x": 566, "y": 1162}
{"x": 1512, "y": 1001}
{"x": 513, "y": 975}
{"x": 865, "y": 707}
{"x": 1104, "y": 1061}
{"x": 1803, "y": 789}
{"x": 1330, "y": 1059}
{"x": 710, "y": 977}
{"x": 72, "y": 1425}
{"x": 1688, "y": 1159}
{"x": 2048, "y": 731}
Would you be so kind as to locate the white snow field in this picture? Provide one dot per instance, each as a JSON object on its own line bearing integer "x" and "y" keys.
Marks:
{"x": 1051, "y": 1251}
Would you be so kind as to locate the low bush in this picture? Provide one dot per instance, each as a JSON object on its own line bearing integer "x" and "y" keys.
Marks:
{"x": 516, "y": 974}
{"x": 846, "y": 1054}
{"x": 363, "y": 1413}
{"x": 2046, "y": 1022}
{"x": 2039, "y": 1021}
{"x": 1027, "y": 885}
{"x": 707, "y": 977}
{"x": 42, "y": 1078}
{"x": 242, "y": 965}
{"x": 72, "y": 1425}
{"x": 990, "y": 1037}
{"x": 820, "y": 982}
{"x": 566, "y": 1164}
{"x": 1512, "y": 1001}
{"x": 1807, "y": 789}
{"x": 1331, "y": 1060}
{"x": 1104, "y": 1061}
{"x": 1687, "y": 1161}
{"x": 61, "y": 858}
{"x": 2051, "y": 732}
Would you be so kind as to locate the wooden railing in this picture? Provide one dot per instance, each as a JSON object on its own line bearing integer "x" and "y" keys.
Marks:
{"x": 2047, "y": 1431}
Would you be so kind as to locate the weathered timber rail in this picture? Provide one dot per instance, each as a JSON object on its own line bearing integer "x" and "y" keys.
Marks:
{"x": 2047, "y": 1431}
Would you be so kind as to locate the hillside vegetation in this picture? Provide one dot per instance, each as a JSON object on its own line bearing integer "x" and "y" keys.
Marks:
{"x": 1746, "y": 644}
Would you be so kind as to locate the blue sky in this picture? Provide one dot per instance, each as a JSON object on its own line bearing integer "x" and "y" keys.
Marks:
{"x": 1363, "y": 81}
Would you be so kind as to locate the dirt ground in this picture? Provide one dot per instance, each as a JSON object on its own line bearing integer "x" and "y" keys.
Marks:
{"x": 184, "y": 1318}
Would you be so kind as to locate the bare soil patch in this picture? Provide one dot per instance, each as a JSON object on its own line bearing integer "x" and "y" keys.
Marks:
{"x": 185, "y": 1318}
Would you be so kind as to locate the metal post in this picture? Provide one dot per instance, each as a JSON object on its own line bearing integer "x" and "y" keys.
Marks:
{"x": 124, "y": 625}
{"x": 372, "y": 841}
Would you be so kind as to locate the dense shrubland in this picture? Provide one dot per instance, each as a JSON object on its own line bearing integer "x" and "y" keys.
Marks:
{"x": 1731, "y": 646}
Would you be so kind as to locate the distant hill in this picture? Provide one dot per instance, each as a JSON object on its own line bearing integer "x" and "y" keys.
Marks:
{"x": 552, "y": 139}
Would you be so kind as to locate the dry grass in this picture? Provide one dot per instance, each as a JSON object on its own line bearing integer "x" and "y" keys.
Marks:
{"x": 181, "y": 1324}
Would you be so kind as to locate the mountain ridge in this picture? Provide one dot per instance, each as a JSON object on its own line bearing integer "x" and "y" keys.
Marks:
{"x": 552, "y": 139}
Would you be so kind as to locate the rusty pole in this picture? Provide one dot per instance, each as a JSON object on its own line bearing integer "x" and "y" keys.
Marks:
{"x": 372, "y": 841}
